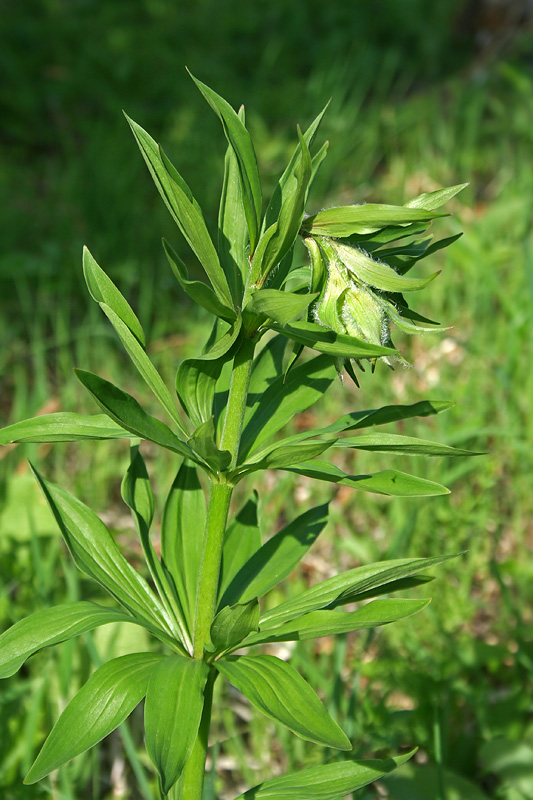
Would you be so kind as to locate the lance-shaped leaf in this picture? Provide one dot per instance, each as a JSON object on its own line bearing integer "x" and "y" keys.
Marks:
{"x": 241, "y": 144}
{"x": 282, "y": 455}
{"x": 431, "y": 200}
{"x": 324, "y": 340}
{"x": 197, "y": 377}
{"x": 233, "y": 623}
{"x": 401, "y": 445}
{"x": 232, "y": 225}
{"x": 183, "y": 208}
{"x": 182, "y": 532}
{"x": 266, "y": 368}
{"x": 327, "y": 782}
{"x": 276, "y": 689}
{"x": 51, "y": 626}
{"x": 282, "y": 307}
{"x": 144, "y": 366}
{"x": 332, "y": 623}
{"x": 285, "y": 398}
{"x": 172, "y": 713}
{"x": 199, "y": 292}
{"x": 347, "y": 587}
{"x": 101, "y": 705}
{"x": 63, "y": 426}
{"x": 294, "y": 188}
{"x": 103, "y": 290}
{"x": 376, "y": 273}
{"x": 126, "y": 411}
{"x": 277, "y": 557}
{"x": 242, "y": 539}
{"x": 369, "y": 218}
{"x": 389, "y": 482}
{"x": 138, "y": 496}
{"x": 95, "y": 553}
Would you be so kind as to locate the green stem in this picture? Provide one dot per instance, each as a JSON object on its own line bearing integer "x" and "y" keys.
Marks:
{"x": 206, "y": 597}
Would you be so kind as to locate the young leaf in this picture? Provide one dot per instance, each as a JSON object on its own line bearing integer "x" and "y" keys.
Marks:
{"x": 103, "y": 290}
{"x": 369, "y": 218}
{"x": 389, "y": 482}
{"x": 138, "y": 496}
{"x": 232, "y": 225}
{"x": 183, "y": 208}
{"x": 233, "y": 623}
{"x": 431, "y": 200}
{"x": 197, "y": 377}
{"x": 401, "y": 445}
{"x": 241, "y": 540}
{"x": 95, "y": 553}
{"x": 172, "y": 713}
{"x": 332, "y": 623}
{"x": 203, "y": 442}
{"x": 285, "y": 398}
{"x": 347, "y": 587}
{"x": 241, "y": 144}
{"x": 63, "y": 426}
{"x": 100, "y": 706}
{"x": 282, "y": 307}
{"x": 126, "y": 411}
{"x": 51, "y": 626}
{"x": 276, "y": 689}
{"x": 376, "y": 273}
{"x": 334, "y": 344}
{"x": 182, "y": 533}
{"x": 327, "y": 782}
{"x": 281, "y": 455}
{"x": 276, "y": 558}
{"x": 199, "y": 292}
{"x": 144, "y": 366}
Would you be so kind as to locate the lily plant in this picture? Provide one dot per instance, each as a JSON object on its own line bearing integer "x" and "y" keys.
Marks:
{"x": 282, "y": 332}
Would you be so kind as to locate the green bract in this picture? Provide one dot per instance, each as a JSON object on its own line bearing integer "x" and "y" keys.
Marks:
{"x": 223, "y": 423}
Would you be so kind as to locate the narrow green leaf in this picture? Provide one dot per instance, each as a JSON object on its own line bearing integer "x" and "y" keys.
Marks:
{"x": 276, "y": 689}
{"x": 389, "y": 482}
{"x": 369, "y": 218}
{"x": 241, "y": 540}
{"x": 332, "y": 623}
{"x": 103, "y": 290}
{"x": 183, "y": 208}
{"x": 348, "y": 587}
{"x": 197, "y": 377}
{"x": 51, "y": 626}
{"x": 144, "y": 366}
{"x": 241, "y": 144}
{"x": 267, "y": 367}
{"x": 108, "y": 697}
{"x": 327, "y": 782}
{"x": 277, "y": 557}
{"x": 381, "y": 416}
{"x": 233, "y": 623}
{"x": 199, "y": 292}
{"x": 324, "y": 340}
{"x": 95, "y": 553}
{"x": 182, "y": 532}
{"x": 63, "y": 426}
{"x": 431, "y": 200}
{"x": 138, "y": 496}
{"x": 280, "y": 306}
{"x": 284, "y": 398}
{"x": 172, "y": 713}
{"x": 401, "y": 445}
{"x": 376, "y": 273}
{"x": 232, "y": 225}
{"x": 126, "y": 411}
{"x": 282, "y": 455}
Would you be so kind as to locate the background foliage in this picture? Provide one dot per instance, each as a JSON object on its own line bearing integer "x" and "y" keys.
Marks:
{"x": 424, "y": 95}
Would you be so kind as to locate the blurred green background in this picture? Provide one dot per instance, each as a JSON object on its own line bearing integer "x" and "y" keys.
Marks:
{"x": 423, "y": 95}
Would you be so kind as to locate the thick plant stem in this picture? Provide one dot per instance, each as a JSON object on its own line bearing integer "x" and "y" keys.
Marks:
{"x": 206, "y": 598}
